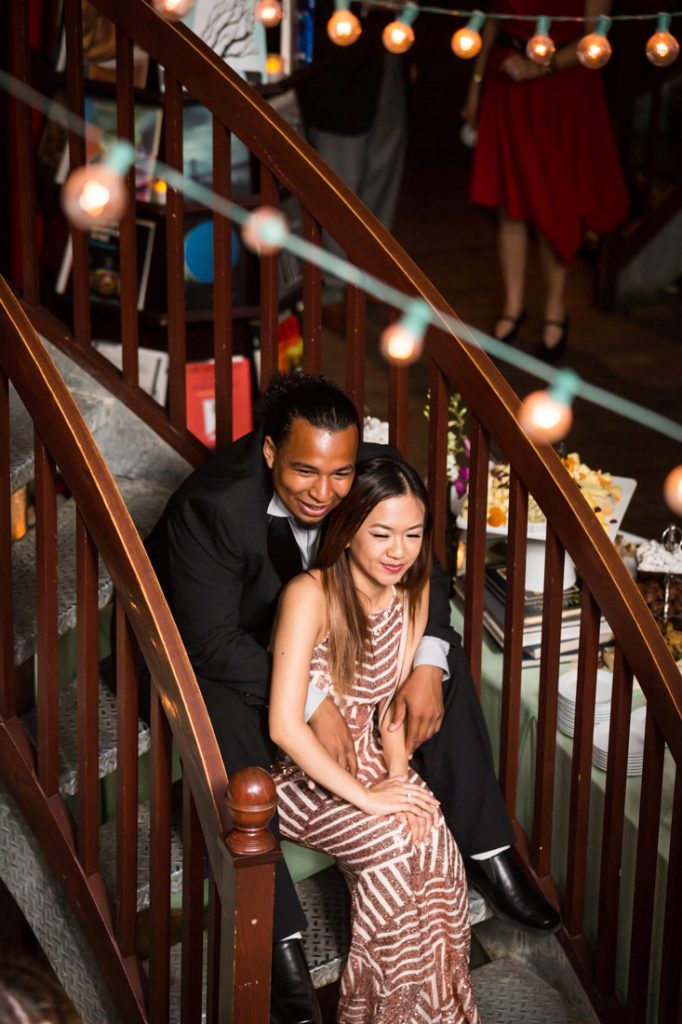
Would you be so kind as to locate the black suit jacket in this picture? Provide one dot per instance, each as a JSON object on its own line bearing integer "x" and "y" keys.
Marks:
{"x": 222, "y": 562}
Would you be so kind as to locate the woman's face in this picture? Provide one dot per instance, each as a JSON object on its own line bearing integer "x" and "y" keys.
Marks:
{"x": 389, "y": 540}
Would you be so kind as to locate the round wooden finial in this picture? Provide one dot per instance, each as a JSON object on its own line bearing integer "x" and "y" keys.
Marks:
{"x": 251, "y": 799}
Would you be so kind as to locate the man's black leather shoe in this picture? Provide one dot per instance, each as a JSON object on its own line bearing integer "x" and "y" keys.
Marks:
{"x": 292, "y": 995}
{"x": 511, "y": 894}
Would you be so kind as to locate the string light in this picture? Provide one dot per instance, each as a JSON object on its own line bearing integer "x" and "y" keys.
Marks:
{"x": 399, "y": 35}
{"x": 672, "y": 490}
{"x": 467, "y": 42}
{"x": 540, "y": 48}
{"x": 402, "y": 343}
{"x": 343, "y": 28}
{"x": 662, "y": 48}
{"x": 546, "y": 416}
{"x": 268, "y": 12}
{"x": 265, "y": 231}
{"x": 97, "y": 193}
{"x": 173, "y": 10}
{"x": 594, "y": 50}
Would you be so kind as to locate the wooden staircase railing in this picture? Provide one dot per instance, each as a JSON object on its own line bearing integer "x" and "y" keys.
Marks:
{"x": 286, "y": 160}
{"x": 220, "y": 822}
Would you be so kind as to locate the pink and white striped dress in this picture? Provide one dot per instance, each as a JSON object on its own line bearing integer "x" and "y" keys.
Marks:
{"x": 409, "y": 956}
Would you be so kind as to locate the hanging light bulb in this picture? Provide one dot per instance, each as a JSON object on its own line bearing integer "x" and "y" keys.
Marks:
{"x": 672, "y": 490}
{"x": 546, "y": 415}
{"x": 268, "y": 12}
{"x": 467, "y": 42}
{"x": 173, "y": 10}
{"x": 343, "y": 28}
{"x": 399, "y": 35}
{"x": 662, "y": 48}
{"x": 540, "y": 48}
{"x": 594, "y": 49}
{"x": 97, "y": 193}
{"x": 265, "y": 231}
{"x": 402, "y": 343}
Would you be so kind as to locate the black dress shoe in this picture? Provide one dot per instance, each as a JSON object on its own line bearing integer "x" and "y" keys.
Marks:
{"x": 292, "y": 994}
{"x": 511, "y": 894}
{"x": 516, "y": 323}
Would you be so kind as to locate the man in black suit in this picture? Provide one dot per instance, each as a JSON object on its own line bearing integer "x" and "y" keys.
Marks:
{"x": 234, "y": 533}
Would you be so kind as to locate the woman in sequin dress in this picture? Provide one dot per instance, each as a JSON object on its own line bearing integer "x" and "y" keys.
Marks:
{"x": 352, "y": 626}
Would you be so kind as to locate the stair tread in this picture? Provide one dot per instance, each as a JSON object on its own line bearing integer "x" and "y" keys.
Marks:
{"x": 145, "y": 501}
{"x": 508, "y": 992}
{"x": 107, "y": 856}
{"x": 68, "y": 735}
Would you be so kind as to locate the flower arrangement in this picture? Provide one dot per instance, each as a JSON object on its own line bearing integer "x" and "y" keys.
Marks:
{"x": 459, "y": 448}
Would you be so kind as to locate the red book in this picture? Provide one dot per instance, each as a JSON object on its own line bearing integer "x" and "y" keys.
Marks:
{"x": 200, "y": 390}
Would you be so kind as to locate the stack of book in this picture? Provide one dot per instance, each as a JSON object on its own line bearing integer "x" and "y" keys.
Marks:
{"x": 493, "y": 615}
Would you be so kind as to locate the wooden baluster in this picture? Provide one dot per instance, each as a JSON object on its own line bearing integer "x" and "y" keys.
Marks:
{"x": 355, "y": 348}
{"x": 159, "y": 856}
{"x": 398, "y": 407}
{"x": 47, "y": 674}
{"x": 215, "y": 976}
{"x": 312, "y": 299}
{"x": 269, "y": 289}
{"x": 645, "y": 871}
{"x": 671, "y": 967}
{"x": 437, "y": 461}
{"x": 612, "y": 831}
{"x": 126, "y": 783}
{"x": 251, "y": 800}
{"x": 22, "y": 140}
{"x": 125, "y": 126}
{"x": 543, "y": 813}
{"x": 80, "y": 271}
{"x": 513, "y": 640}
{"x": 223, "y": 284}
{"x": 477, "y": 515}
{"x": 88, "y": 698}
{"x": 175, "y": 259}
{"x": 192, "y": 910}
{"x": 581, "y": 766}
{"x": 8, "y": 682}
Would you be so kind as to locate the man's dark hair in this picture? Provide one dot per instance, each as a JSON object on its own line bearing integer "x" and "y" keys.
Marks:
{"x": 297, "y": 395}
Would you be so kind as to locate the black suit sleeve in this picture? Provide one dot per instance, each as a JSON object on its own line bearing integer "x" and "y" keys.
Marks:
{"x": 438, "y": 623}
{"x": 206, "y": 567}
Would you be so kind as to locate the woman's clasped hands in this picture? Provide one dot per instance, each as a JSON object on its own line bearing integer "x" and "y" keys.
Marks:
{"x": 411, "y": 802}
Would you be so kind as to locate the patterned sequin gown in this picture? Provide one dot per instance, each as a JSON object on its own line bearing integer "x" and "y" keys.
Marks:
{"x": 409, "y": 957}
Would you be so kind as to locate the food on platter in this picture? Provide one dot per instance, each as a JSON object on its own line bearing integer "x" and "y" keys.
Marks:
{"x": 597, "y": 487}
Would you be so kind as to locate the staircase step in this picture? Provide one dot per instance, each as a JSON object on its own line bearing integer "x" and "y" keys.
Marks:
{"x": 93, "y": 400}
{"x": 145, "y": 503}
{"x": 107, "y": 856}
{"x": 507, "y": 992}
{"x": 68, "y": 735}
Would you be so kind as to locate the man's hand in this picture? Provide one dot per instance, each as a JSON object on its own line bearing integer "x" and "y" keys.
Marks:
{"x": 331, "y": 729}
{"x": 420, "y": 701}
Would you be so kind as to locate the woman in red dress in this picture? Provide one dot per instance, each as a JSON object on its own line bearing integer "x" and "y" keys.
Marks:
{"x": 545, "y": 156}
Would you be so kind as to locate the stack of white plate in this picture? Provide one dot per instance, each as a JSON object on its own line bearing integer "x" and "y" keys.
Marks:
{"x": 600, "y": 750}
{"x": 568, "y": 683}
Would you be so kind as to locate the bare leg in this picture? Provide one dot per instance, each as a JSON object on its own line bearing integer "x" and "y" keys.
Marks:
{"x": 512, "y": 241}
{"x": 554, "y": 274}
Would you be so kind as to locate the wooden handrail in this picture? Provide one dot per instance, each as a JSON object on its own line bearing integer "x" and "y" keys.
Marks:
{"x": 104, "y": 528}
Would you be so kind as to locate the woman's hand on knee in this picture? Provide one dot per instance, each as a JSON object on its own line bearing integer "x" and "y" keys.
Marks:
{"x": 397, "y": 795}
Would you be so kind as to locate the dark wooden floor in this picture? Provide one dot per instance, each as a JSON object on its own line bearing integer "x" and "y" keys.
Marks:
{"x": 634, "y": 352}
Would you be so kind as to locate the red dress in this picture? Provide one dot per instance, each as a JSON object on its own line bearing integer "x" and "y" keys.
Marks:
{"x": 545, "y": 150}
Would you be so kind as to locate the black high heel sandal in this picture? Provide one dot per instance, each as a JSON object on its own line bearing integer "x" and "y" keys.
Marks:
{"x": 552, "y": 354}
{"x": 516, "y": 324}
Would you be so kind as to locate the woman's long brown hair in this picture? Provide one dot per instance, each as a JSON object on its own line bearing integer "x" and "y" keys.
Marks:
{"x": 375, "y": 481}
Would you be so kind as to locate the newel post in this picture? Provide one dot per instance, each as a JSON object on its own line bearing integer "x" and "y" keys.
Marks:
{"x": 251, "y": 800}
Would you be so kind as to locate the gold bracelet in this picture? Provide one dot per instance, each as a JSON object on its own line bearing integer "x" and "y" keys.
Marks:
{"x": 476, "y": 78}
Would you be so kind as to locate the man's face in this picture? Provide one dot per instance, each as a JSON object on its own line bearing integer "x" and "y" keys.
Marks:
{"x": 313, "y": 469}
